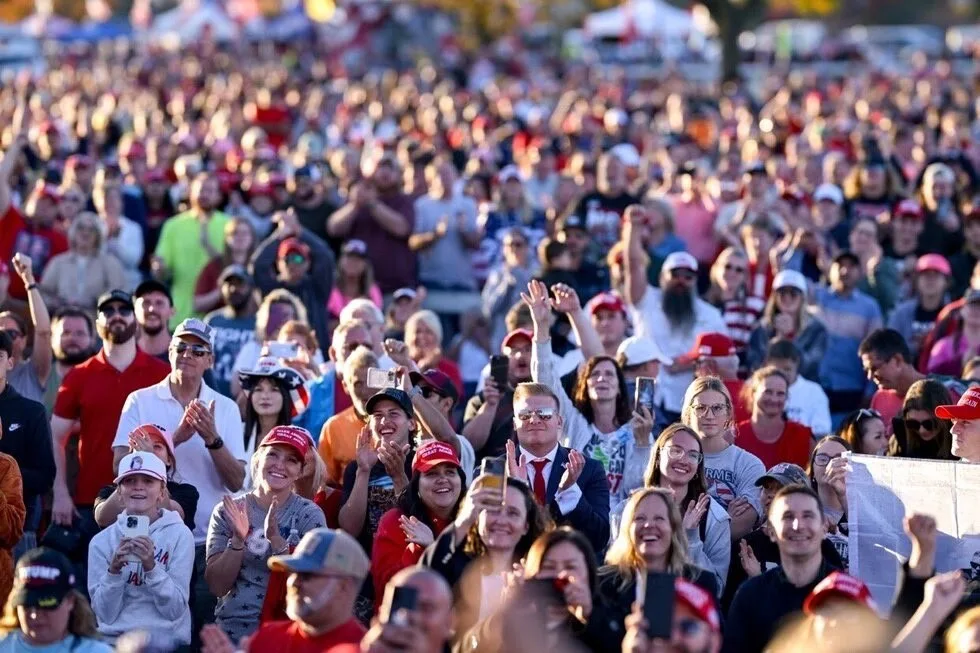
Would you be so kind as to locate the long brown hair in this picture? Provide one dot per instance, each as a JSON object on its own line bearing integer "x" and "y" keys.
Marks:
{"x": 623, "y": 558}
{"x": 538, "y": 522}
{"x": 580, "y": 396}
{"x": 816, "y": 449}
{"x": 81, "y": 623}
{"x": 653, "y": 476}
{"x": 539, "y": 549}
{"x": 925, "y": 395}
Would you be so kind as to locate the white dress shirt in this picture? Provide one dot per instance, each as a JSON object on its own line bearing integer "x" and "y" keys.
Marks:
{"x": 567, "y": 500}
{"x": 157, "y": 405}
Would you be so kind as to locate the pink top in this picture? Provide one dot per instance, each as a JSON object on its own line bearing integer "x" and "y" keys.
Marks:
{"x": 694, "y": 223}
{"x": 947, "y": 356}
{"x": 337, "y": 301}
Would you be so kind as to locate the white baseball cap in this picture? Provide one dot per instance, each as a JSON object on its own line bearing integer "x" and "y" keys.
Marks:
{"x": 637, "y": 350}
{"x": 680, "y": 261}
{"x": 627, "y": 154}
{"x": 829, "y": 192}
{"x": 789, "y": 279}
{"x": 142, "y": 462}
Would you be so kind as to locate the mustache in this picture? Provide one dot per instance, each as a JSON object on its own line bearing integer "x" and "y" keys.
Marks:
{"x": 678, "y": 306}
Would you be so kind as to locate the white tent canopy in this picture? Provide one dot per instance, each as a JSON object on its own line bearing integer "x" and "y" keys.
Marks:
{"x": 188, "y": 22}
{"x": 645, "y": 18}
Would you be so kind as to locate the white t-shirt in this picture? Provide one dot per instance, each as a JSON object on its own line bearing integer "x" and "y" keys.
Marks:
{"x": 650, "y": 322}
{"x": 156, "y": 405}
{"x": 807, "y": 404}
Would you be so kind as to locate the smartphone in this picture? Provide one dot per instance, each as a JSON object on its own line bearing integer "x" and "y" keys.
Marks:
{"x": 397, "y": 602}
{"x": 499, "y": 365}
{"x": 646, "y": 386}
{"x": 658, "y": 605}
{"x": 380, "y": 379}
{"x": 287, "y": 350}
{"x": 544, "y": 592}
{"x": 134, "y": 526}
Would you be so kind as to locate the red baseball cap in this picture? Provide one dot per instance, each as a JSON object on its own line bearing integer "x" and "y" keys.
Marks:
{"x": 517, "y": 333}
{"x": 909, "y": 209}
{"x": 699, "y": 601}
{"x": 712, "y": 344}
{"x": 438, "y": 381}
{"x": 606, "y": 301}
{"x": 968, "y": 407}
{"x": 292, "y": 436}
{"x": 839, "y": 585}
{"x": 157, "y": 433}
{"x": 935, "y": 263}
{"x": 292, "y": 244}
{"x": 434, "y": 453}
{"x": 48, "y": 191}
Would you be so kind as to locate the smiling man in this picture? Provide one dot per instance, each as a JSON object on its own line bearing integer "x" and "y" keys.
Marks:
{"x": 797, "y": 525}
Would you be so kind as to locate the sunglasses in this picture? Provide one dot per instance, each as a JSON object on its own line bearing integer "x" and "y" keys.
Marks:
{"x": 197, "y": 351}
{"x": 428, "y": 393}
{"x": 13, "y": 333}
{"x": 926, "y": 424}
{"x": 296, "y": 259}
{"x": 543, "y": 414}
{"x": 734, "y": 268}
{"x": 112, "y": 311}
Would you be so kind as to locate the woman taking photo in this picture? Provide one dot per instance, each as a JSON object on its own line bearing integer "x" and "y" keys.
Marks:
{"x": 554, "y": 589}
{"x": 245, "y": 532}
{"x": 827, "y": 470}
{"x": 733, "y": 470}
{"x": 353, "y": 278}
{"x": 240, "y": 242}
{"x": 651, "y": 538}
{"x": 486, "y": 539}
{"x": 270, "y": 403}
{"x": 917, "y": 432}
{"x": 786, "y": 317}
{"x": 768, "y": 434}
{"x": 423, "y": 335}
{"x": 180, "y": 497}
{"x": 48, "y": 615}
{"x": 425, "y": 508}
{"x": 677, "y": 465}
{"x": 142, "y": 582}
{"x": 864, "y": 432}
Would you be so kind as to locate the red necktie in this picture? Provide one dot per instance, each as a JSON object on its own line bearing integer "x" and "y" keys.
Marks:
{"x": 539, "y": 485}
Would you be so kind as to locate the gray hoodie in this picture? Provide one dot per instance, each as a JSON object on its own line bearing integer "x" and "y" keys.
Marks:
{"x": 154, "y": 600}
{"x": 623, "y": 460}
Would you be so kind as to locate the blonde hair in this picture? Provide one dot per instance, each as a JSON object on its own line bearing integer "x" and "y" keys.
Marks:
{"x": 81, "y": 622}
{"x": 964, "y": 622}
{"x": 529, "y": 389}
{"x": 801, "y": 319}
{"x": 426, "y": 317}
{"x": 86, "y": 219}
{"x": 704, "y": 384}
{"x": 747, "y": 395}
{"x": 623, "y": 556}
{"x": 726, "y": 255}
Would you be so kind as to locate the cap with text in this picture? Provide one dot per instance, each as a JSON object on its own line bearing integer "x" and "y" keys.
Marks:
{"x": 142, "y": 463}
{"x": 699, "y": 601}
{"x": 968, "y": 407}
{"x": 839, "y": 585}
{"x": 290, "y": 436}
{"x": 434, "y": 453}
{"x": 325, "y": 551}
{"x": 42, "y": 579}
{"x": 710, "y": 345}
{"x": 196, "y": 328}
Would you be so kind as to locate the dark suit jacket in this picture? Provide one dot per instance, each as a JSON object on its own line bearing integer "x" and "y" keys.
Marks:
{"x": 591, "y": 515}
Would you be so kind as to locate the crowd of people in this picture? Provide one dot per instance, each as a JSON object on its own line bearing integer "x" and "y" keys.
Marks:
{"x": 493, "y": 354}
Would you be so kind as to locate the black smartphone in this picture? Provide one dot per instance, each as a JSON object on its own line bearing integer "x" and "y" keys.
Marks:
{"x": 499, "y": 365}
{"x": 544, "y": 591}
{"x": 398, "y": 601}
{"x": 658, "y": 605}
{"x": 646, "y": 386}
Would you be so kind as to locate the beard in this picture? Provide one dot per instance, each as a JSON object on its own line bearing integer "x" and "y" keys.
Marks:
{"x": 72, "y": 357}
{"x": 237, "y": 300}
{"x": 116, "y": 336}
{"x": 678, "y": 306}
{"x": 153, "y": 329}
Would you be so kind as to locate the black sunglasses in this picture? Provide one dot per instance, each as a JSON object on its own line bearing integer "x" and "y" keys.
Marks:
{"x": 915, "y": 425}
{"x": 197, "y": 351}
{"x": 111, "y": 311}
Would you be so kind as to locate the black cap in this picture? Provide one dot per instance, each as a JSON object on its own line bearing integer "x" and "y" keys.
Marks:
{"x": 755, "y": 168}
{"x": 689, "y": 168}
{"x": 400, "y": 397}
{"x": 234, "y": 271}
{"x": 114, "y": 296}
{"x": 42, "y": 579}
{"x": 572, "y": 221}
{"x": 152, "y": 285}
{"x": 849, "y": 255}
{"x": 307, "y": 171}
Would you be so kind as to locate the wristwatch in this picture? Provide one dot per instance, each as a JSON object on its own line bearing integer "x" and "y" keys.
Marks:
{"x": 416, "y": 391}
{"x": 214, "y": 446}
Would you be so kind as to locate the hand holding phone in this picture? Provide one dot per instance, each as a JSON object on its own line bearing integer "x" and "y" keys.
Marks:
{"x": 658, "y": 605}
{"x": 379, "y": 379}
{"x": 646, "y": 387}
{"x": 499, "y": 366}
{"x": 134, "y": 526}
{"x": 397, "y": 603}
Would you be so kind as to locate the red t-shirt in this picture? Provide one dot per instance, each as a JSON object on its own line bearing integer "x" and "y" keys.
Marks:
{"x": 793, "y": 446}
{"x": 207, "y": 280}
{"x": 742, "y": 412}
{"x": 94, "y": 393}
{"x": 39, "y": 243}
{"x": 288, "y": 637}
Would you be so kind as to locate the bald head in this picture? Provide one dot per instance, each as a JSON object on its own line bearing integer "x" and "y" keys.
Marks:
{"x": 434, "y": 615}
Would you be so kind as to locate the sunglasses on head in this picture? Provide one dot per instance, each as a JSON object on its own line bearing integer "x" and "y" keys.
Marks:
{"x": 868, "y": 412}
{"x": 543, "y": 414}
{"x": 197, "y": 351}
{"x": 927, "y": 424}
{"x": 112, "y": 311}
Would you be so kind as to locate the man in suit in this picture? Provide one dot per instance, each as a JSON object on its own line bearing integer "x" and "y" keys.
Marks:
{"x": 572, "y": 487}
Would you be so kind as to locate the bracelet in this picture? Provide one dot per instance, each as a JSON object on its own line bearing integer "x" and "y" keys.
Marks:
{"x": 31, "y": 286}
{"x": 240, "y": 548}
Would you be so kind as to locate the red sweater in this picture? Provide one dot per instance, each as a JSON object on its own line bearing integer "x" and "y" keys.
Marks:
{"x": 793, "y": 446}
{"x": 392, "y": 552}
{"x": 289, "y": 637}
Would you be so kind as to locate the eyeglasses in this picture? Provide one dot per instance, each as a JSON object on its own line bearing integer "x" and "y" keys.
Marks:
{"x": 543, "y": 414}
{"x": 702, "y": 410}
{"x": 675, "y": 452}
{"x": 112, "y": 311}
{"x": 197, "y": 351}
{"x": 296, "y": 259}
{"x": 13, "y": 333}
{"x": 823, "y": 459}
{"x": 926, "y": 424}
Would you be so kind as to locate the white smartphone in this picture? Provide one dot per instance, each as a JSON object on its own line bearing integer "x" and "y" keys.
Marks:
{"x": 379, "y": 379}
{"x": 134, "y": 526}
{"x": 287, "y": 350}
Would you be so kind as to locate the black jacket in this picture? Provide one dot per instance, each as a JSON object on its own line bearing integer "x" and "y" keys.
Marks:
{"x": 910, "y": 593}
{"x": 26, "y": 437}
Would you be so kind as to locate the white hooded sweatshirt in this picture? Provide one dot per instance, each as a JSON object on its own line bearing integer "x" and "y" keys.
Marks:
{"x": 133, "y": 598}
